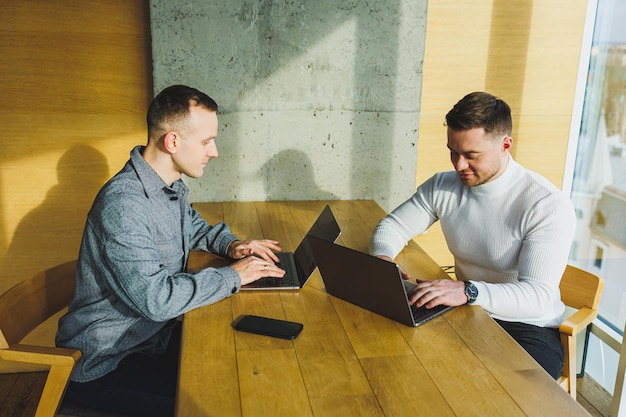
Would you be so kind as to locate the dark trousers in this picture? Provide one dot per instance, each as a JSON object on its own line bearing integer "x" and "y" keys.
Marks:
{"x": 542, "y": 343}
{"x": 141, "y": 385}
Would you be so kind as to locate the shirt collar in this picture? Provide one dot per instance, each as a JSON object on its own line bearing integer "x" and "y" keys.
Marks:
{"x": 152, "y": 183}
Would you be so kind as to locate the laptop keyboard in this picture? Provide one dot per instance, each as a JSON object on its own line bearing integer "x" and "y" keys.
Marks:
{"x": 420, "y": 312}
{"x": 289, "y": 279}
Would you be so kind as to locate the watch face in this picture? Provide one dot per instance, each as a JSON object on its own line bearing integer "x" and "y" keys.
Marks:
{"x": 471, "y": 292}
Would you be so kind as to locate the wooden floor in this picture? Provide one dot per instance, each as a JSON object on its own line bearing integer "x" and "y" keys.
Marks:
{"x": 593, "y": 397}
{"x": 19, "y": 396}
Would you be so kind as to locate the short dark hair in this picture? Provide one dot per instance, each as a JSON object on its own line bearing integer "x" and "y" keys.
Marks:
{"x": 480, "y": 109}
{"x": 172, "y": 104}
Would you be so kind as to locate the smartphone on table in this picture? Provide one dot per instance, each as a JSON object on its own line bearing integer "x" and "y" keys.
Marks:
{"x": 268, "y": 327}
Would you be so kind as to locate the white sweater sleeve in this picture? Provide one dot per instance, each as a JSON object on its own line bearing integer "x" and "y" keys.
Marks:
{"x": 411, "y": 218}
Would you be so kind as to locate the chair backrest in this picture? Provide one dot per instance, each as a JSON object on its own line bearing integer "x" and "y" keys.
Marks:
{"x": 580, "y": 288}
{"x": 32, "y": 301}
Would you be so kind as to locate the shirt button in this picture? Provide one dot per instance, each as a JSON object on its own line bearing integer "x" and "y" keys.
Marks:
{"x": 234, "y": 290}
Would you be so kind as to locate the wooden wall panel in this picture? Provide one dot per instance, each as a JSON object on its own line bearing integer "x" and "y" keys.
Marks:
{"x": 523, "y": 51}
{"x": 76, "y": 81}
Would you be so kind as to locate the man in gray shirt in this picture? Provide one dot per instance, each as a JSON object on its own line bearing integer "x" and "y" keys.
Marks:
{"x": 131, "y": 283}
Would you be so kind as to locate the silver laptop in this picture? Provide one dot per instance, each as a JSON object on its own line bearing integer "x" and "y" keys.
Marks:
{"x": 299, "y": 265}
{"x": 369, "y": 282}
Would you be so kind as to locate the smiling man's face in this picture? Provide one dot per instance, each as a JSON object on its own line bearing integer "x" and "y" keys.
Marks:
{"x": 477, "y": 157}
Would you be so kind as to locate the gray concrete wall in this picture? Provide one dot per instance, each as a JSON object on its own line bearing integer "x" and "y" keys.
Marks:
{"x": 319, "y": 99}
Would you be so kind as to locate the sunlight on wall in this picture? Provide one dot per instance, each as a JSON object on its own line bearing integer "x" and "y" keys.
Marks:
{"x": 317, "y": 100}
{"x": 19, "y": 194}
{"x": 290, "y": 131}
{"x": 324, "y": 83}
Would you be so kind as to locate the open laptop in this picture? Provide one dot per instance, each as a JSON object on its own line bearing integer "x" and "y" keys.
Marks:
{"x": 299, "y": 265}
{"x": 369, "y": 282}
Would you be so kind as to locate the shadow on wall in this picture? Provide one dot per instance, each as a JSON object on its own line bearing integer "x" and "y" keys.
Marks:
{"x": 289, "y": 175}
{"x": 298, "y": 59}
{"x": 50, "y": 234}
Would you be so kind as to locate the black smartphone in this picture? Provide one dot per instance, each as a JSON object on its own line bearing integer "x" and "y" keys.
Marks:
{"x": 268, "y": 327}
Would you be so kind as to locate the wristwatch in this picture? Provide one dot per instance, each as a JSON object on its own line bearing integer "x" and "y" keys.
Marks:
{"x": 471, "y": 292}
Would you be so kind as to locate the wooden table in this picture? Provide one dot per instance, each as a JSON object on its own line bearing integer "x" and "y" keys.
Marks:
{"x": 348, "y": 361}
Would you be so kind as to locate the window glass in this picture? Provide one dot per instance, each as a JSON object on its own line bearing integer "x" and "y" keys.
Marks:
{"x": 599, "y": 178}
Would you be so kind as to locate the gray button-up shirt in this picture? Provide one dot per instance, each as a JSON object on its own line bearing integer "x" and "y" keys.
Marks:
{"x": 131, "y": 282}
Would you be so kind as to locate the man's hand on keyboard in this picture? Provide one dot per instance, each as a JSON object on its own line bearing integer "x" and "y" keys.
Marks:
{"x": 252, "y": 268}
{"x": 264, "y": 249}
{"x": 438, "y": 292}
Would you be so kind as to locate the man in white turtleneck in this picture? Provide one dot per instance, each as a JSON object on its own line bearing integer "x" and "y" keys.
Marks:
{"x": 509, "y": 229}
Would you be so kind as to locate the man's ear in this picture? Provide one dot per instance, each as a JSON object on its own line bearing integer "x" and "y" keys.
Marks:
{"x": 507, "y": 143}
{"x": 170, "y": 141}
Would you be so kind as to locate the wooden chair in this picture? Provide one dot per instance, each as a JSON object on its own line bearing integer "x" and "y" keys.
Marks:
{"x": 580, "y": 290}
{"x": 22, "y": 308}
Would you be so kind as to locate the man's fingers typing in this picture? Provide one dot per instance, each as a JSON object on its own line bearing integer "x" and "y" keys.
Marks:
{"x": 253, "y": 268}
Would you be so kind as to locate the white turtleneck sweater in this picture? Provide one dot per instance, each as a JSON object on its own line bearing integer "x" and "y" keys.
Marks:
{"x": 511, "y": 237}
